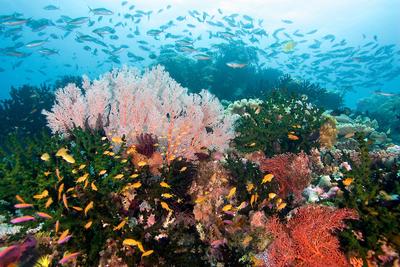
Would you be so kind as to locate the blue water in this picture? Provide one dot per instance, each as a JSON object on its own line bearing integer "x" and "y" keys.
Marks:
{"x": 353, "y": 24}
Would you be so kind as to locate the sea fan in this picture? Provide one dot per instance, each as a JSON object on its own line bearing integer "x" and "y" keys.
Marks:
{"x": 127, "y": 104}
{"x": 307, "y": 239}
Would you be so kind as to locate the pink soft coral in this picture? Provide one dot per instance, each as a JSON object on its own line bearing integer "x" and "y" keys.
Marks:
{"x": 125, "y": 103}
{"x": 307, "y": 238}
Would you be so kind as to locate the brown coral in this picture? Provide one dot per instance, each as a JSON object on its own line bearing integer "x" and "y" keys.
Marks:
{"x": 328, "y": 133}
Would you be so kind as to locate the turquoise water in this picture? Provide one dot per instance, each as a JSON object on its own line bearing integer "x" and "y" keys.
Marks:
{"x": 341, "y": 45}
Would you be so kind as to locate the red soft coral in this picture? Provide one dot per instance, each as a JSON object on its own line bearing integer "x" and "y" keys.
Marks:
{"x": 291, "y": 171}
{"x": 307, "y": 238}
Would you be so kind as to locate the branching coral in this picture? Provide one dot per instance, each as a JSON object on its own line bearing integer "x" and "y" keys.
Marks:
{"x": 126, "y": 104}
{"x": 282, "y": 123}
{"x": 292, "y": 173}
{"x": 307, "y": 239}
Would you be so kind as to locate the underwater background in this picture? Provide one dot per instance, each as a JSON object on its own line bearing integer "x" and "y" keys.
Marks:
{"x": 211, "y": 133}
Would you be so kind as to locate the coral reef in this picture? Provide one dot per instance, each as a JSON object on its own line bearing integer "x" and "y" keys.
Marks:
{"x": 281, "y": 124}
{"x": 140, "y": 172}
{"x": 383, "y": 109}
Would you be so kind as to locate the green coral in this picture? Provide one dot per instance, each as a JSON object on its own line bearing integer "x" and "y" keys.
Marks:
{"x": 274, "y": 126}
{"x": 21, "y": 169}
{"x": 370, "y": 194}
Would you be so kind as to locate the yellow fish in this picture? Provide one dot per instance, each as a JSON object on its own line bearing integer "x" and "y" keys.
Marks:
{"x": 281, "y": 206}
{"x": 86, "y": 184}
{"x": 82, "y": 166}
{"x": 62, "y": 151}
{"x": 120, "y": 225}
{"x": 130, "y": 242}
{"x": 242, "y": 205}
{"x": 94, "y": 187}
{"x": 267, "y": 178}
{"x": 117, "y": 140}
{"x": 47, "y": 173}
{"x": 77, "y": 208}
{"x": 88, "y": 224}
{"x": 227, "y": 207}
{"x": 124, "y": 161}
{"x": 200, "y": 199}
{"x": 42, "y": 195}
{"x": 147, "y": 253}
{"x": 70, "y": 189}
{"x": 183, "y": 169}
{"x": 231, "y": 192}
{"x": 253, "y": 199}
{"x": 140, "y": 246}
{"x": 102, "y": 172}
{"x": 82, "y": 178}
{"x": 48, "y": 202}
{"x": 347, "y": 181}
{"x": 68, "y": 158}
{"x": 289, "y": 46}
{"x": 167, "y": 195}
{"x": 142, "y": 163}
{"x": 136, "y": 185}
{"x": 165, "y": 206}
{"x": 252, "y": 144}
{"x": 165, "y": 185}
{"x": 88, "y": 207}
{"x": 271, "y": 195}
{"x": 249, "y": 187}
{"x": 45, "y": 157}
{"x": 134, "y": 175}
{"x": 119, "y": 176}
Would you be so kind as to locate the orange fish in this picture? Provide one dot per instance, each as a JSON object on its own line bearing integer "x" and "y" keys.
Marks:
{"x": 77, "y": 208}
{"x": 57, "y": 226}
{"x": 267, "y": 178}
{"x": 88, "y": 224}
{"x": 293, "y": 137}
{"x": 48, "y": 202}
{"x": 20, "y": 199}
{"x": 120, "y": 225}
{"x": 89, "y": 207}
{"x": 64, "y": 197}
{"x": 347, "y": 181}
{"x": 44, "y": 194}
{"x": 44, "y": 215}
{"x": 165, "y": 206}
{"x": 60, "y": 189}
